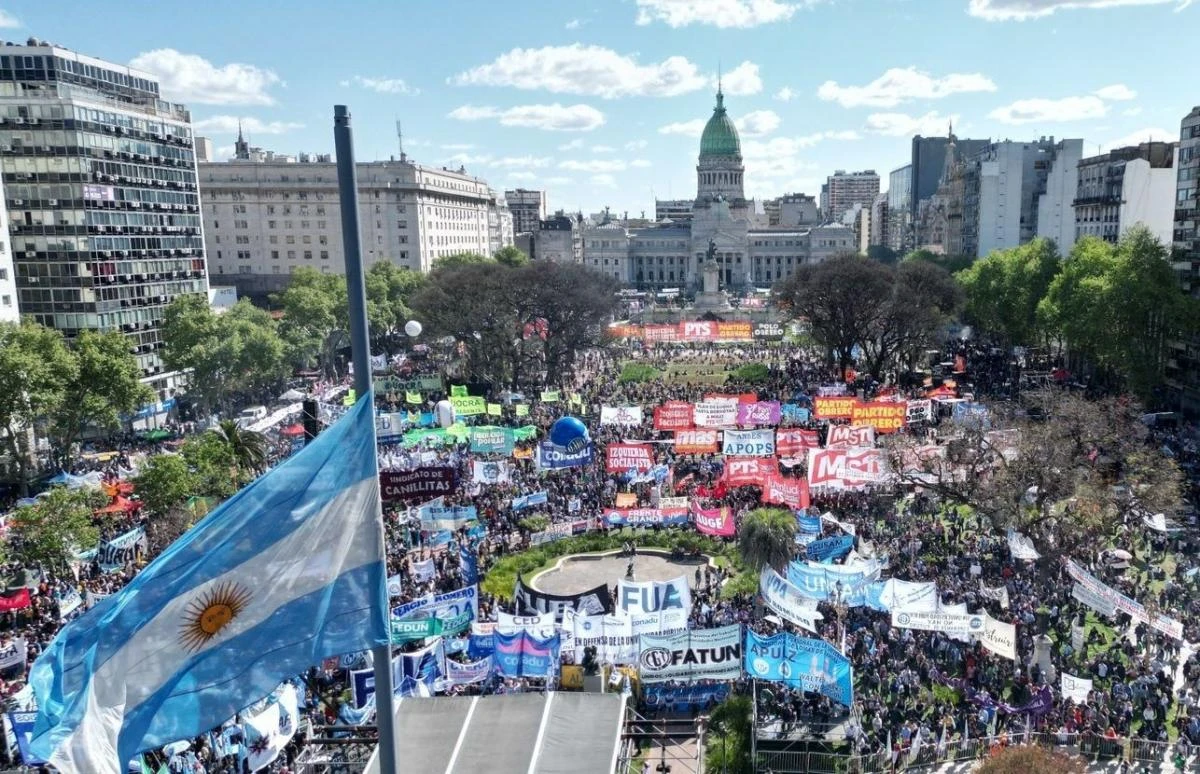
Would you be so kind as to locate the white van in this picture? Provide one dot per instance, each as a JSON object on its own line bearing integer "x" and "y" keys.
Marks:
{"x": 249, "y": 416}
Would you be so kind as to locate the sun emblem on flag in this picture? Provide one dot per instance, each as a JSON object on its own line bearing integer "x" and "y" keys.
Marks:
{"x": 210, "y": 612}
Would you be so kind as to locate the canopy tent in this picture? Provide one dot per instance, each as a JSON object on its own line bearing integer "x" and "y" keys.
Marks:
{"x": 89, "y": 480}
{"x": 292, "y": 395}
{"x": 292, "y": 430}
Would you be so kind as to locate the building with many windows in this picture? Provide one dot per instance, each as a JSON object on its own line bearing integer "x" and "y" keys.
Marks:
{"x": 677, "y": 210}
{"x": 748, "y": 252}
{"x": 264, "y": 217}
{"x": 899, "y": 212}
{"x": 9, "y": 308}
{"x": 843, "y": 190}
{"x": 103, "y": 208}
{"x": 1183, "y": 357}
{"x": 1127, "y": 187}
{"x": 528, "y": 209}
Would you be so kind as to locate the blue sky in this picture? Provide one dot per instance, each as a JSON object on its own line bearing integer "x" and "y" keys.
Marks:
{"x": 601, "y": 103}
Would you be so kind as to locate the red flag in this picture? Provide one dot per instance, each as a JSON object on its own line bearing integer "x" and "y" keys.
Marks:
{"x": 14, "y": 601}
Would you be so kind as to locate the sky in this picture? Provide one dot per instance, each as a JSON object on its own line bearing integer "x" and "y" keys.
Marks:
{"x": 601, "y": 103}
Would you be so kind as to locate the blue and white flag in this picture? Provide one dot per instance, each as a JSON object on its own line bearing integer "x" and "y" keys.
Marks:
{"x": 529, "y": 500}
{"x": 470, "y": 565}
{"x": 286, "y": 573}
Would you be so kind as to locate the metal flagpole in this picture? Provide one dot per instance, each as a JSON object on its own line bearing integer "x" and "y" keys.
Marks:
{"x": 360, "y": 347}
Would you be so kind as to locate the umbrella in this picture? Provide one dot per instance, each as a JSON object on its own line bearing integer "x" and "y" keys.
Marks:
{"x": 292, "y": 430}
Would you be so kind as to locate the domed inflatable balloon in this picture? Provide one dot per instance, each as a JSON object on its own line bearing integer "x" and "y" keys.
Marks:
{"x": 570, "y": 433}
{"x": 412, "y": 328}
{"x": 445, "y": 413}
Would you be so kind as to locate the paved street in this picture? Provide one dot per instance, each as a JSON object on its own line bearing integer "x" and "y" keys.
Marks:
{"x": 577, "y": 574}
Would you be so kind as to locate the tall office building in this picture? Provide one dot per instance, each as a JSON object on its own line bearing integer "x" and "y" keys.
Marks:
{"x": 928, "y": 163}
{"x": 1127, "y": 187}
{"x": 899, "y": 215}
{"x": 268, "y": 214}
{"x": 1183, "y": 357}
{"x": 100, "y": 184}
{"x": 843, "y": 190}
{"x": 9, "y": 310}
{"x": 528, "y": 209}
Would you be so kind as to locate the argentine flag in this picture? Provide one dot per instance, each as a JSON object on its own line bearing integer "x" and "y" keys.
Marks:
{"x": 286, "y": 573}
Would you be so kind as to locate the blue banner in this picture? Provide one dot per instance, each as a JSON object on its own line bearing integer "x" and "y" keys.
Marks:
{"x": 470, "y": 565}
{"x": 551, "y": 456}
{"x": 22, "y": 725}
{"x": 684, "y": 698}
{"x": 521, "y": 654}
{"x": 447, "y": 517}
{"x": 793, "y": 412}
{"x": 362, "y": 687}
{"x": 480, "y": 644}
{"x": 820, "y": 583}
{"x": 830, "y": 548}
{"x": 415, "y": 674}
{"x": 466, "y": 674}
{"x": 456, "y": 609}
{"x": 799, "y": 662}
{"x": 529, "y": 500}
{"x": 809, "y": 524}
{"x": 971, "y": 414}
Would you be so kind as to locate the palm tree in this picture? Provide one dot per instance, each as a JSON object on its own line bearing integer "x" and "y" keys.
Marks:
{"x": 767, "y": 538}
{"x": 249, "y": 449}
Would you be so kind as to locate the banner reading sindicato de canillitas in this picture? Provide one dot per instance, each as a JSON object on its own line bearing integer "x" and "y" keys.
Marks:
{"x": 417, "y": 485}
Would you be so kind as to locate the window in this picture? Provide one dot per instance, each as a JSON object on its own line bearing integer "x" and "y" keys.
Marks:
{"x": 270, "y": 224}
{"x": 291, "y": 240}
{"x": 291, "y": 255}
{"x": 324, "y": 255}
{"x": 324, "y": 240}
{"x": 240, "y": 224}
{"x": 403, "y": 239}
{"x": 5, "y": 300}
{"x": 243, "y": 255}
{"x": 305, "y": 223}
{"x": 274, "y": 255}
{"x": 3, "y": 274}
{"x": 243, "y": 270}
{"x": 242, "y": 240}
{"x": 274, "y": 269}
{"x": 217, "y": 238}
{"x": 306, "y": 239}
{"x": 321, "y": 224}
{"x": 308, "y": 255}
{"x": 273, "y": 239}
{"x": 321, "y": 211}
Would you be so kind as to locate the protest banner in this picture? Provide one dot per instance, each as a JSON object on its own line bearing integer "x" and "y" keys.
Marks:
{"x": 686, "y": 699}
{"x": 999, "y": 637}
{"x": 485, "y": 472}
{"x": 715, "y": 413}
{"x": 469, "y": 673}
{"x": 673, "y": 415}
{"x": 645, "y": 517}
{"x": 628, "y": 416}
{"x": 947, "y": 623}
{"x": 884, "y": 416}
{"x": 455, "y": 609}
{"x": 667, "y": 604}
{"x": 407, "y": 486}
{"x": 415, "y": 629}
{"x": 540, "y": 624}
{"x": 748, "y": 471}
{"x": 918, "y": 411}
{"x": 13, "y": 654}
{"x": 623, "y": 457}
{"x": 850, "y": 436}
{"x": 689, "y": 656}
{"x": 697, "y": 441}
{"x": 758, "y": 413}
{"x": 792, "y": 492}
{"x": 491, "y": 440}
{"x": 553, "y": 457}
{"x": 1101, "y": 604}
{"x": 768, "y": 331}
{"x": 116, "y": 554}
{"x": 793, "y": 444}
{"x": 903, "y": 596}
{"x": 787, "y": 601}
{"x": 749, "y": 443}
{"x": 1133, "y": 609}
{"x": 829, "y": 548}
{"x": 1021, "y": 547}
{"x": 813, "y": 665}
{"x": 531, "y": 500}
{"x": 1075, "y": 688}
{"x": 833, "y": 407}
{"x": 529, "y": 600}
{"x": 612, "y": 636}
{"x": 468, "y": 405}
{"x": 714, "y": 521}
{"x": 845, "y": 468}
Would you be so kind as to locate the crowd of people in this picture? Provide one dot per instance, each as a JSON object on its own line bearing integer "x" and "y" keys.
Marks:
{"x": 911, "y": 688}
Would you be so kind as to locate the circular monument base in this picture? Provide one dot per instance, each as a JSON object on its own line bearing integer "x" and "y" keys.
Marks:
{"x": 580, "y": 572}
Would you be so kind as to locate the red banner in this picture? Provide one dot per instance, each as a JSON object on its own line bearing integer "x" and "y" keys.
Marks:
{"x": 660, "y": 333}
{"x": 792, "y": 492}
{"x": 673, "y": 415}
{"x": 833, "y": 407}
{"x": 748, "y": 471}
{"x": 696, "y": 441}
{"x": 849, "y": 436}
{"x": 791, "y": 443}
{"x": 698, "y": 331}
{"x": 741, "y": 397}
{"x": 714, "y": 521}
{"x": 884, "y": 416}
{"x": 622, "y": 457}
{"x": 845, "y": 468}
{"x": 14, "y": 601}
{"x": 735, "y": 331}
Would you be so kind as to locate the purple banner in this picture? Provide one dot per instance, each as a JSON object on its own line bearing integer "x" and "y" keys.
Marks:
{"x": 759, "y": 413}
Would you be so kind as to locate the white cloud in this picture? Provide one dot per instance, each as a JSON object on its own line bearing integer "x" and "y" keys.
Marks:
{"x": 716, "y": 13}
{"x": 554, "y": 118}
{"x": 640, "y": 163}
{"x": 741, "y": 80}
{"x": 603, "y": 149}
{"x": 193, "y": 79}
{"x": 8, "y": 21}
{"x": 1021, "y": 10}
{"x": 589, "y": 70}
{"x": 1118, "y": 92}
{"x": 574, "y": 24}
{"x": 559, "y": 180}
{"x": 594, "y": 166}
{"x": 691, "y": 128}
{"x": 528, "y": 162}
{"x": 1141, "y": 136}
{"x": 903, "y": 84}
{"x": 575, "y": 144}
{"x": 636, "y": 145}
{"x": 1050, "y": 111}
{"x": 604, "y": 180}
{"x": 521, "y": 176}
{"x": 786, "y": 94}
{"x": 382, "y": 85}
{"x": 901, "y": 124}
{"x": 777, "y": 164}
{"x": 758, "y": 123}
{"x": 223, "y": 152}
{"x": 251, "y": 126}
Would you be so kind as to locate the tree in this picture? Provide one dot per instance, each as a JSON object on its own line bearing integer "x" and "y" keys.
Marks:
{"x": 1116, "y": 307}
{"x": 315, "y": 319}
{"x": 727, "y": 743}
{"x": 767, "y": 538}
{"x": 104, "y": 385}
{"x": 50, "y": 532}
{"x": 248, "y": 448}
{"x": 1004, "y": 289}
{"x": 1061, "y": 469}
{"x": 232, "y": 355}
{"x": 951, "y": 263}
{"x": 570, "y": 303}
{"x": 1032, "y": 760}
{"x": 511, "y": 257}
{"x": 389, "y": 291}
{"x": 883, "y": 254}
{"x": 460, "y": 259}
{"x": 35, "y": 371}
{"x": 923, "y": 299}
{"x": 212, "y": 464}
{"x": 165, "y": 482}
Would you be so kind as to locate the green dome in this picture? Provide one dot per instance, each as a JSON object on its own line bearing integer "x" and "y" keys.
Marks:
{"x": 720, "y": 136}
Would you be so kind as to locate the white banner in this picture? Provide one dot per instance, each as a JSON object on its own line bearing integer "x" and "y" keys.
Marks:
{"x": 901, "y": 596}
{"x": 612, "y": 637}
{"x": 628, "y": 416}
{"x": 949, "y": 623}
{"x": 1130, "y": 607}
{"x": 850, "y": 437}
{"x": 662, "y": 604}
{"x": 423, "y": 571}
{"x": 999, "y": 637}
{"x": 749, "y": 443}
{"x": 489, "y": 472}
{"x": 787, "y": 601}
{"x": 1021, "y": 546}
{"x": 998, "y": 594}
{"x": 715, "y": 413}
{"x": 1075, "y": 688}
{"x": 13, "y": 653}
{"x": 699, "y": 654}
{"x": 540, "y": 626}
{"x": 845, "y": 526}
{"x": 1100, "y": 604}
{"x": 919, "y": 411}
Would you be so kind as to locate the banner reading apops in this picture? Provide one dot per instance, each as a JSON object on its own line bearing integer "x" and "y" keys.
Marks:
{"x": 688, "y": 656}
{"x": 623, "y": 457}
{"x": 833, "y": 407}
{"x": 885, "y": 417}
{"x": 666, "y": 602}
{"x": 749, "y": 443}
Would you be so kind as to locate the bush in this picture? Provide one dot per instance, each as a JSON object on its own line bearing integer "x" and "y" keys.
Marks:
{"x": 751, "y": 373}
{"x": 1032, "y": 760}
{"x": 638, "y": 372}
{"x": 534, "y": 523}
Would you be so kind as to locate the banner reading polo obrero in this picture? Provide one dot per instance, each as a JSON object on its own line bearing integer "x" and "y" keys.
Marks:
{"x": 628, "y": 416}
{"x": 714, "y": 521}
{"x": 749, "y": 443}
{"x": 787, "y": 601}
{"x": 665, "y": 605}
{"x": 850, "y": 437}
{"x": 673, "y": 415}
{"x": 833, "y": 406}
{"x": 688, "y": 656}
{"x": 286, "y": 573}
{"x": 697, "y": 441}
{"x": 845, "y": 468}
{"x": 715, "y": 413}
{"x": 884, "y": 416}
{"x": 1133, "y": 609}
{"x": 947, "y": 623}
{"x": 623, "y": 457}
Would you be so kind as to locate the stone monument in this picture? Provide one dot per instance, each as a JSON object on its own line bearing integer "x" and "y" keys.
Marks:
{"x": 711, "y": 298}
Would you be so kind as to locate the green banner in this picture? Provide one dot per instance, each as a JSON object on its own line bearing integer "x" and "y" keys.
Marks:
{"x": 492, "y": 440}
{"x": 549, "y": 396}
{"x": 494, "y": 409}
{"x": 412, "y": 397}
{"x": 522, "y": 409}
{"x": 468, "y": 405}
{"x": 458, "y": 391}
{"x": 417, "y": 629}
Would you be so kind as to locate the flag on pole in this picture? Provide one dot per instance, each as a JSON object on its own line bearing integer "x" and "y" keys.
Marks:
{"x": 286, "y": 573}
